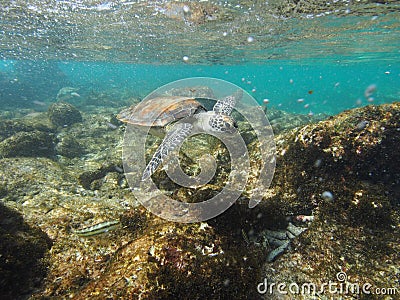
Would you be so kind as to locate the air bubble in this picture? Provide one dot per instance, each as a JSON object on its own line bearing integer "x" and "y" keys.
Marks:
{"x": 327, "y": 196}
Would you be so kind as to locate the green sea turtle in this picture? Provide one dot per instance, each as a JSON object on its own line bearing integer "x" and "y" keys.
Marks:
{"x": 180, "y": 116}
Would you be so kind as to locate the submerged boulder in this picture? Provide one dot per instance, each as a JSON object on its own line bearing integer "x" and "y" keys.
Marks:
{"x": 64, "y": 114}
{"x": 344, "y": 172}
{"x": 69, "y": 147}
{"x": 28, "y": 143}
{"x": 163, "y": 260}
{"x": 22, "y": 250}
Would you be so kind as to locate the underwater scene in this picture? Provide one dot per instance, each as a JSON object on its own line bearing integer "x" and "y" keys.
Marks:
{"x": 199, "y": 149}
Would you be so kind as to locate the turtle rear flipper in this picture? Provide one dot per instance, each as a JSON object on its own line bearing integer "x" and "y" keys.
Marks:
{"x": 173, "y": 139}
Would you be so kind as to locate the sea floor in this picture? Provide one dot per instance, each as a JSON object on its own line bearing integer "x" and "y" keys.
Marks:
{"x": 336, "y": 181}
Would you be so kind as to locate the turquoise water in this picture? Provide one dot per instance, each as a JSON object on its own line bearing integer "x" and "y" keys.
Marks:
{"x": 334, "y": 87}
{"x": 317, "y": 87}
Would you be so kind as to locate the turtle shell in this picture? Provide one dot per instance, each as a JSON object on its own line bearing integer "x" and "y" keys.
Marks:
{"x": 159, "y": 111}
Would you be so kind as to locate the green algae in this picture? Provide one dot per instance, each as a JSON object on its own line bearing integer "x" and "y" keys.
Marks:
{"x": 63, "y": 114}
{"x": 32, "y": 143}
{"x": 69, "y": 147}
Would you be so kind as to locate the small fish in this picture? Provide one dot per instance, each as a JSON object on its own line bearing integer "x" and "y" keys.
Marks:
{"x": 40, "y": 103}
{"x": 245, "y": 237}
{"x": 99, "y": 228}
{"x": 75, "y": 94}
{"x": 111, "y": 125}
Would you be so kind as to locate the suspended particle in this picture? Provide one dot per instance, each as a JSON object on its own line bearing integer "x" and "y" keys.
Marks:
{"x": 358, "y": 101}
{"x": 337, "y": 84}
{"x": 226, "y": 72}
{"x": 226, "y": 282}
{"x": 387, "y": 72}
{"x": 254, "y": 90}
{"x": 185, "y": 58}
{"x": 370, "y": 90}
{"x": 243, "y": 79}
{"x": 306, "y": 105}
{"x": 250, "y": 39}
{"x": 310, "y": 92}
{"x": 291, "y": 81}
{"x": 224, "y": 33}
{"x": 318, "y": 163}
{"x": 371, "y": 99}
{"x": 301, "y": 100}
{"x": 186, "y": 9}
{"x": 266, "y": 101}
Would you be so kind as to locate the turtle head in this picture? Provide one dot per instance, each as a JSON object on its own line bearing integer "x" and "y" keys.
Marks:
{"x": 223, "y": 123}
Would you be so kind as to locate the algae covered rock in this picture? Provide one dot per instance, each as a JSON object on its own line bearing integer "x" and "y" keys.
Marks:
{"x": 69, "y": 147}
{"x": 353, "y": 158}
{"x": 64, "y": 114}
{"x": 22, "y": 249}
{"x": 31, "y": 143}
{"x": 10, "y": 127}
{"x": 27, "y": 178}
{"x": 159, "y": 260}
{"x": 346, "y": 159}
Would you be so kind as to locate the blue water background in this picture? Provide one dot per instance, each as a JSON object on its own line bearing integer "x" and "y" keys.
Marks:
{"x": 326, "y": 87}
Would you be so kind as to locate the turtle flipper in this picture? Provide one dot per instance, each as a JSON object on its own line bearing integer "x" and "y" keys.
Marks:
{"x": 173, "y": 139}
{"x": 226, "y": 105}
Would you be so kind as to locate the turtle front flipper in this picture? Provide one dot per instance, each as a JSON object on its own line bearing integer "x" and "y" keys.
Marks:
{"x": 173, "y": 139}
{"x": 226, "y": 105}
